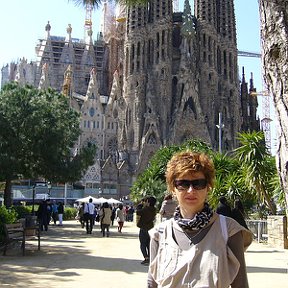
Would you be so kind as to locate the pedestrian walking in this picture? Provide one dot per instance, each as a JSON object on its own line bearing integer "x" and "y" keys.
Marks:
{"x": 238, "y": 213}
{"x": 120, "y": 217}
{"x": 54, "y": 208}
{"x": 146, "y": 222}
{"x": 168, "y": 207}
{"x": 60, "y": 213}
{"x": 105, "y": 219}
{"x": 89, "y": 215}
{"x": 43, "y": 215}
{"x": 223, "y": 207}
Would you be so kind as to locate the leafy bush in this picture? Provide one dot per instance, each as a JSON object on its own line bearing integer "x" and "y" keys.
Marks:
{"x": 7, "y": 216}
{"x": 22, "y": 211}
{"x": 69, "y": 213}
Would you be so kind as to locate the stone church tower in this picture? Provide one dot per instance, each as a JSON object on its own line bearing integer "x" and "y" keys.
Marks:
{"x": 180, "y": 74}
{"x": 153, "y": 77}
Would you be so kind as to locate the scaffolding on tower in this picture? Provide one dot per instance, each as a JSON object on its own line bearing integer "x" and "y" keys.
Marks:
{"x": 175, "y": 5}
{"x": 88, "y": 18}
{"x": 266, "y": 120}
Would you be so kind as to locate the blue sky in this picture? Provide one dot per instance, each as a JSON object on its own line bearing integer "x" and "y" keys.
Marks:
{"x": 22, "y": 23}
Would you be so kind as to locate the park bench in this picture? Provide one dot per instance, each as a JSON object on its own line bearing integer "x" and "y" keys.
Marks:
{"x": 17, "y": 232}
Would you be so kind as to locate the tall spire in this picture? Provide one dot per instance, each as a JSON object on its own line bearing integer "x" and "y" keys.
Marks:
{"x": 44, "y": 80}
{"x": 67, "y": 85}
{"x": 188, "y": 25}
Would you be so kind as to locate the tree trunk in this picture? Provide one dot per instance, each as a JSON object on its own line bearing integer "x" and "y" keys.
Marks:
{"x": 8, "y": 193}
{"x": 274, "y": 35}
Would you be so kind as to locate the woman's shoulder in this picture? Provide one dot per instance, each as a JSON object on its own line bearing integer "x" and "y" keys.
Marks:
{"x": 160, "y": 228}
{"x": 234, "y": 227}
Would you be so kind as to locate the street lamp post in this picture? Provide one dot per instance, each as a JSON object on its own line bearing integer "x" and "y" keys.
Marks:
{"x": 220, "y": 126}
{"x": 49, "y": 186}
{"x": 33, "y": 198}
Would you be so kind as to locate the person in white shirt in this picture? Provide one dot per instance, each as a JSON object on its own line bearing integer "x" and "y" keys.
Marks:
{"x": 88, "y": 216}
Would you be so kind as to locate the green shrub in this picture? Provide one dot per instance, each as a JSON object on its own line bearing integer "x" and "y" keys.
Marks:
{"x": 69, "y": 213}
{"x": 22, "y": 211}
{"x": 7, "y": 216}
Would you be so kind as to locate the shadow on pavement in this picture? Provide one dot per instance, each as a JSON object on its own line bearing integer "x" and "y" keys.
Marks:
{"x": 67, "y": 252}
{"x": 266, "y": 270}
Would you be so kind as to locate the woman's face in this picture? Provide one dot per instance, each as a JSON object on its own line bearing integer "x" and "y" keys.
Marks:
{"x": 191, "y": 194}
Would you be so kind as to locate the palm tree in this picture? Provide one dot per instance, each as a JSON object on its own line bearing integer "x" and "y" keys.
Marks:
{"x": 257, "y": 165}
{"x": 155, "y": 171}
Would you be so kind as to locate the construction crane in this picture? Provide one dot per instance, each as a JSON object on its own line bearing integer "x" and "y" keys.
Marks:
{"x": 266, "y": 120}
{"x": 88, "y": 18}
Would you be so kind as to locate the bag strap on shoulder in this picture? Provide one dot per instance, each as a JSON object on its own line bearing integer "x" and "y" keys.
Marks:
{"x": 223, "y": 225}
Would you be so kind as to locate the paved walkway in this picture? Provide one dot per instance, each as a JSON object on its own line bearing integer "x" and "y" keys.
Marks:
{"x": 71, "y": 258}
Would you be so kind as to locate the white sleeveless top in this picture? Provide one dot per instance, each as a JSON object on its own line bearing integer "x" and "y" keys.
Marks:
{"x": 207, "y": 264}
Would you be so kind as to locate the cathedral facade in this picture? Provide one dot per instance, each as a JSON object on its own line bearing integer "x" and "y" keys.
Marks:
{"x": 153, "y": 77}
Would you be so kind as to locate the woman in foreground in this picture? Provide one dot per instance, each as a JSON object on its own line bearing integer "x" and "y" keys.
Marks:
{"x": 197, "y": 247}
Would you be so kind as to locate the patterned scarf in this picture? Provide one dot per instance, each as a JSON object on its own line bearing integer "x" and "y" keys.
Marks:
{"x": 200, "y": 220}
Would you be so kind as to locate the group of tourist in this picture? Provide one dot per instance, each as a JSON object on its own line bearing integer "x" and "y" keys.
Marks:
{"x": 48, "y": 211}
{"x": 88, "y": 214}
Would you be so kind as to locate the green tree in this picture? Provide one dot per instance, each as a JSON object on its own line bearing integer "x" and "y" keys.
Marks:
{"x": 38, "y": 130}
{"x": 257, "y": 165}
{"x": 152, "y": 180}
{"x": 229, "y": 181}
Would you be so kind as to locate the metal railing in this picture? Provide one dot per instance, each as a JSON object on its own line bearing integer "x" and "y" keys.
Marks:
{"x": 259, "y": 229}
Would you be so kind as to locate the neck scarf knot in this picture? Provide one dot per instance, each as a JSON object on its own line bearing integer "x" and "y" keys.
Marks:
{"x": 200, "y": 220}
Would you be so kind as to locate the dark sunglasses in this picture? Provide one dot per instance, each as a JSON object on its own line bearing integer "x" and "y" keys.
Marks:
{"x": 196, "y": 184}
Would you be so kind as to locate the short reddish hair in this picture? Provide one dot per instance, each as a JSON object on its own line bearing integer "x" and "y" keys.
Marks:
{"x": 184, "y": 162}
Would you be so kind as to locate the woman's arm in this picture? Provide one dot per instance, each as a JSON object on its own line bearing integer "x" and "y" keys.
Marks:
{"x": 236, "y": 245}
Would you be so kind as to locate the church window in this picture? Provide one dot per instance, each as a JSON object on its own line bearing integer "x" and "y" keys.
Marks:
{"x": 209, "y": 43}
{"x": 152, "y": 140}
{"x": 225, "y": 58}
{"x": 84, "y": 123}
{"x": 113, "y": 146}
{"x": 138, "y": 49}
{"x": 87, "y": 78}
{"x": 91, "y": 112}
{"x": 163, "y": 54}
{"x": 225, "y": 73}
{"x": 204, "y": 56}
